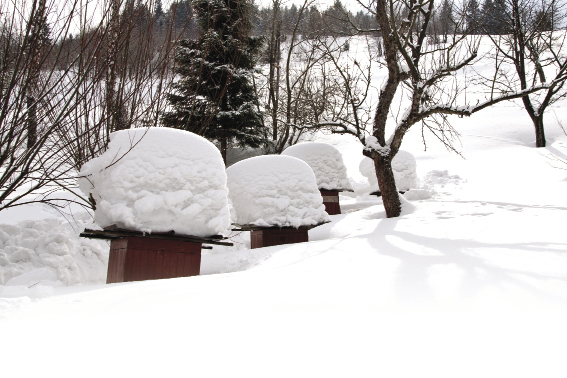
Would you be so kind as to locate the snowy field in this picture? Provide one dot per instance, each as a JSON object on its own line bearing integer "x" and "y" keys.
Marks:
{"x": 470, "y": 282}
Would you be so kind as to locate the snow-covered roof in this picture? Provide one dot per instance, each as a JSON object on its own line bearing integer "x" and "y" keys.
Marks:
{"x": 275, "y": 190}
{"x": 159, "y": 179}
{"x": 325, "y": 161}
{"x": 404, "y": 167}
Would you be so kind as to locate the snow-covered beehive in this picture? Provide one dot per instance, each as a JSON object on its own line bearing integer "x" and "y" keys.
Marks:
{"x": 159, "y": 180}
{"x": 329, "y": 169}
{"x": 274, "y": 192}
{"x": 404, "y": 168}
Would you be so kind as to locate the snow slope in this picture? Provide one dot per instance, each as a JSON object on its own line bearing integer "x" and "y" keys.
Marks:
{"x": 470, "y": 283}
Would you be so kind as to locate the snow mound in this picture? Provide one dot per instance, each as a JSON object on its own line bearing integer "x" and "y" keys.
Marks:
{"x": 275, "y": 191}
{"x": 404, "y": 167}
{"x": 441, "y": 178}
{"x": 50, "y": 251}
{"x": 325, "y": 161}
{"x": 159, "y": 179}
{"x": 417, "y": 194}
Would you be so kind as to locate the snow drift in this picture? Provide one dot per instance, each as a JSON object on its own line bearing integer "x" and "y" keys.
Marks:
{"x": 50, "y": 251}
{"x": 325, "y": 161}
{"x": 275, "y": 191}
{"x": 159, "y": 179}
{"x": 404, "y": 167}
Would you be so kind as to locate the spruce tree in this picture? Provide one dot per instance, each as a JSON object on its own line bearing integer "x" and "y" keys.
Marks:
{"x": 446, "y": 19}
{"x": 215, "y": 96}
{"x": 489, "y": 21}
{"x": 472, "y": 17}
{"x": 158, "y": 10}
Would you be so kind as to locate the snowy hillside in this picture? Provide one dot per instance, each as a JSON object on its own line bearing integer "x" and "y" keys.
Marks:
{"x": 470, "y": 282}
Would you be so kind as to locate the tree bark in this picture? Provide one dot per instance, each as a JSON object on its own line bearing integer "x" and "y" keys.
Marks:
{"x": 224, "y": 149}
{"x": 111, "y": 58}
{"x": 277, "y": 84}
{"x": 36, "y": 43}
{"x": 387, "y": 185}
{"x": 539, "y": 130}
{"x": 31, "y": 121}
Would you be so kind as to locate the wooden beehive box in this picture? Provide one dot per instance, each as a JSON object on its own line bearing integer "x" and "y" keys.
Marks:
{"x": 331, "y": 201}
{"x": 269, "y": 236}
{"x": 277, "y": 236}
{"x": 135, "y": 256}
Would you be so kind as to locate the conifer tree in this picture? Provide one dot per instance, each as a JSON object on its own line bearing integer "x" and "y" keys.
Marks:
{"x": 446, "y": 19}
{"x": 215, "y": 96}
{"x": 158, "y": 10}
{"x": 472, "y": 17}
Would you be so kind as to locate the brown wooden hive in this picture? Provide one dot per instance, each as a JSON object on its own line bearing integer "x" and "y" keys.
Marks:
{"x": 331, "y": 201}
{"x": 267, "y": 237}
{"x": 139, "y": 259}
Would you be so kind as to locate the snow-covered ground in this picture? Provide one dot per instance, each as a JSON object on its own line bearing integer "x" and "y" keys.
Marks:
{"x": 470, "y": 282}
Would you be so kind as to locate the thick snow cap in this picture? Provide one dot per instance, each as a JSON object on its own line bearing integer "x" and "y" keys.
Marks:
{"x": 275, "y": 190}
{"x": 325, "y": 161}
{"x": 159, "y": 179}
{"x": 404, "y": 167}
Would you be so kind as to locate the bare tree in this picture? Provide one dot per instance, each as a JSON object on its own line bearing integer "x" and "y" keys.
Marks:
{"x": 65, "y": 76}
{"x": 344, "y": 95}
{"x": 274, "y": 60}
{"x": 535, "y": 51}
{"x": 114, "y": 116}
{"x": 291, "y": 105}
{"x": 426, "y": 73}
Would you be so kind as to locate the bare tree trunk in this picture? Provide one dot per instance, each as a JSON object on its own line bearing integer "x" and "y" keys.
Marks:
{"x": 530, "y": 47}
{"x": 539, "y": 130}
{"x": 112, "y": 113}
{"x": 37, "y": 25}
{"x": 387, "y": 185}
{"x": 224, "y": 149}
{"x": 31, "y": 121}
{"x": 383, "y": 162}
{"x": 275, "y": 83}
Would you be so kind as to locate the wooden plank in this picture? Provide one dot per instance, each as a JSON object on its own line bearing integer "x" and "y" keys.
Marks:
{"x": 116, "y": 260}
{"x": 135, "y": 259}
{"x": 148, "y": 268}
{"x": 158, "y": 270}
{"x": 330, "y": 193}
{"x": 119, "y": 233}
{"x": 330, "y": 199}
{"x": 187, "y": 267}
{"x": 196, "y": 264}
{"x": 256, "y": 239}
{"x": 270, "y": 237}
{"x": 181, "y": 266}
{"x": 172, "y": 264}
{"x": 111, "y": 273}
{"x": 332, "y": 208}
{"x": 138, "y": 262}
{"x": 128, "y": 266}
{"x": 164, "y": 265}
